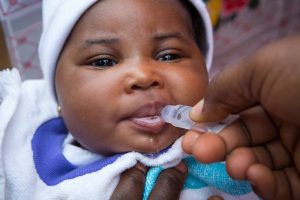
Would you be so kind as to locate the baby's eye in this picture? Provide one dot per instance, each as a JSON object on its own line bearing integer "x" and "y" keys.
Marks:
{"x": 169, "y": 57}
{"x": 103, "y": 63}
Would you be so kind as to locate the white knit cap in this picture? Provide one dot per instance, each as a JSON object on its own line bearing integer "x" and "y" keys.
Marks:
{"x": 59, "y": 18}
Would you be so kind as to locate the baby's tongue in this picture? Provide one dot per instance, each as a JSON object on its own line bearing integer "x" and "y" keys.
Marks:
{"x": 153, "y": 123}
{"x": 149, "y": 120}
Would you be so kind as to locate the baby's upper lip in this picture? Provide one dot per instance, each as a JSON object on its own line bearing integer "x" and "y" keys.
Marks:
{"x": 148, "y": 109}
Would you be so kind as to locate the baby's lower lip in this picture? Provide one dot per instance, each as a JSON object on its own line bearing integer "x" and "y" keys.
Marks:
{"x": 152, "y": 124}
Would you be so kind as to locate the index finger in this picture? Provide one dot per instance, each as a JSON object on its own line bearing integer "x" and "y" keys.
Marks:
{"x": 228, "y": 92}
{"x": 269, "y": 77}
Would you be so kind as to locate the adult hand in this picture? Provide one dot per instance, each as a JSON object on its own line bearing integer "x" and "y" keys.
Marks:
{"x": 168, "y": 185}
{"x": 264, "y": 145}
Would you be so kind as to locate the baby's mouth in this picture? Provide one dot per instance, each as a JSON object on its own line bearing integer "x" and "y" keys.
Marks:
{"x": 146, "y": 118}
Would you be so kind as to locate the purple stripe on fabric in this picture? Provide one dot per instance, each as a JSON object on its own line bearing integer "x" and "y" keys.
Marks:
{"x": 51, "y": 165}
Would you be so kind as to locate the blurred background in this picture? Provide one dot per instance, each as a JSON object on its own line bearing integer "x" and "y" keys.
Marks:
{"x": 4, "y": 57}
{"x": 20, "y": 31}
{"x": 240, "y": 27}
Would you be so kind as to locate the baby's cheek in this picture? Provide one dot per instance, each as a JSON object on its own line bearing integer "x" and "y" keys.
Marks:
{"x": 191, "y": 94}
{"x": 192, "y": 87}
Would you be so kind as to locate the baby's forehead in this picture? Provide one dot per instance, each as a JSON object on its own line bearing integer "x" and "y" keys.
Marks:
{"x": 110, "y": 17}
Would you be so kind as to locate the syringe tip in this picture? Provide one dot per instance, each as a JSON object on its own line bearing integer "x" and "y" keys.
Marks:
{"x": 166, "y": 113}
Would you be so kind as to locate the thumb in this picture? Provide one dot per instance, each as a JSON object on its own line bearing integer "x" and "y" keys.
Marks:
{"x": 228, "y": 92}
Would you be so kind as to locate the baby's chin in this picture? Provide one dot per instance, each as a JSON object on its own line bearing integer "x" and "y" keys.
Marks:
{"x": 156, "y": 145}
{"x": 154, "y": 149}
{"x": 150, "y": 145}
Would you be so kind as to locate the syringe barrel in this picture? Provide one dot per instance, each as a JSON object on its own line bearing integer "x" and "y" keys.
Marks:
{"x": 177, "y": 115}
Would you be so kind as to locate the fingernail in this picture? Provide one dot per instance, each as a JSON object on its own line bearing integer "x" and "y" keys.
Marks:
{"x": 188, "y": 140}
{"x": 197, "y": 110}
{"x": 141, "y": 167}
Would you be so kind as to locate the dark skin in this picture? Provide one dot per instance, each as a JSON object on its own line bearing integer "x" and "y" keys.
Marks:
{"x": 265, "y": 149}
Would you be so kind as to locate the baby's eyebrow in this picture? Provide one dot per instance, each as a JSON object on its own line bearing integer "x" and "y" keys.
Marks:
{"x": 165, "y": 36}
{"x": 98, "y": 41}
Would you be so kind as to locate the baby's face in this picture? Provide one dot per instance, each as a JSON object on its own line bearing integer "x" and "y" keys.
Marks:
{"x": 125, "y": 60}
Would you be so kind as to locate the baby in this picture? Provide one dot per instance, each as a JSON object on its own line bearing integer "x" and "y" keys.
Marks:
{"x": 110, "y": 66}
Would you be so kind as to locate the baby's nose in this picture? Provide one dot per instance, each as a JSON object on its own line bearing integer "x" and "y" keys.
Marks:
{"x": 142, "y": 77}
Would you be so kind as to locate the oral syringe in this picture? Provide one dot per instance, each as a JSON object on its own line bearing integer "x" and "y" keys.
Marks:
{"x": 178, "y": 116}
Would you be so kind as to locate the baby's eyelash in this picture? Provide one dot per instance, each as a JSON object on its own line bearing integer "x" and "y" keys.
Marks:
{"x": 169, "y": 57}
{"x": 103, "y": 63}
